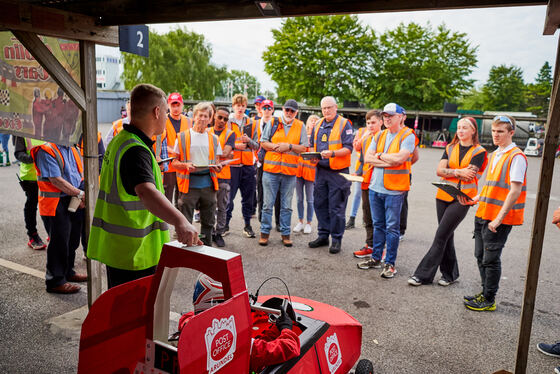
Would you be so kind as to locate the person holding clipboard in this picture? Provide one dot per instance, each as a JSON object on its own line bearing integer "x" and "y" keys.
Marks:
{"x": 463, "y": 161}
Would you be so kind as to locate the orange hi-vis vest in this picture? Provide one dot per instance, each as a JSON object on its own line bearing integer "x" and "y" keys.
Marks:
{"x": 117, "y": 126}
{"x": 49, "y": 195}
{"x": 246, "y": 156}
{"x": 171, "y": 135}
{"x": 183, "y": 176}
{"x": 395, "y": 178}
{"x": 497, "y": 187}
{"x": 306, "y": 169}
{"x": 335, "y": 143}
{"x": 470, "y": 188}
{"x": 358, "y": 135}
{"x": 367, "y": 169}
{"x": 223, "y": 138}
{"x": 284, "y": 163}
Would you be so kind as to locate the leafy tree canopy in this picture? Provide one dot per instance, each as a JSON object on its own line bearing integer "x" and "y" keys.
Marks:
{"x": 538, "y": 93}
{"x": 505, "y": 89}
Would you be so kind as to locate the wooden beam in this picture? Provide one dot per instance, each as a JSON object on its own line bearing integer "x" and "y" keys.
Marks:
{"x": 54, "y": 22}
{"x": 539, "y": 224}
{"x": 91, "y": 156}
{"x": 47, "y": 60}
{"x": 552, "y": 20}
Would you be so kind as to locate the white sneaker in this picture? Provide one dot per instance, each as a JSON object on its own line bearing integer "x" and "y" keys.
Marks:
{"x": 307, "y": 229}
{"x": 298, "y": 227}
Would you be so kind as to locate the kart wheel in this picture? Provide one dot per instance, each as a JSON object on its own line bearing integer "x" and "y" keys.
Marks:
{"x": 364, "y": 367}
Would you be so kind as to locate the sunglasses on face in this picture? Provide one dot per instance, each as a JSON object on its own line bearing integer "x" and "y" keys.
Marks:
{"x": 221, "y": 118}
{"x": 504, "y": 119}
{"x": 288, "y": 110}
{"x": 267, "y": 108}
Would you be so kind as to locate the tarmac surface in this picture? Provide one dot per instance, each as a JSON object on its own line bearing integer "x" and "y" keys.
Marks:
{"x": 405, "y": 329}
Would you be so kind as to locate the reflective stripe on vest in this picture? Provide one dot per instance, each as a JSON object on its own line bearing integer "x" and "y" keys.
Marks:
{"x": 225, "y": 173}
{"x": 396, "y": 178}
{"x": 367, "y": 169}
{"x": 27, "y": 172}
{"x": 471, "y": 188}
{"x": 306, "y": 169}
{"x": 183, "y": 176}
{"x": 171, "y": 134}
{"x": 284, "y": 163}
{"x": 497, "y": 187}
{"x": 358, "y": 167}
{"x": 124, "y": 234}
{"x": 246, "y": 156}
{"x": 334, "y": 142}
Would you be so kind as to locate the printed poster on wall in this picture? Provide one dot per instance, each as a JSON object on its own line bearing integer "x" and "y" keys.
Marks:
{"x": 31, "y": 103}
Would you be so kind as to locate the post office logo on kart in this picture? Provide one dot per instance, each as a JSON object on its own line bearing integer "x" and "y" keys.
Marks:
{"x": 220, "y": 341}
{"x": 333, "y": 353}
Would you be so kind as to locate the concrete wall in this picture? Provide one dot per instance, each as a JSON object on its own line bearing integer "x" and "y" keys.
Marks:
{"x": 109, "y": 105}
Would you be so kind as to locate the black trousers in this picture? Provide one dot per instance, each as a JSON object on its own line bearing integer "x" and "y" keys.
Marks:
{"x": 488, "y": 247}
{"x": 442, "y": 252}
{"x": 116, "y": 277}
{"x": 368, "y": 222}
{"x": 404, "y": 213}
{"x": 30, "y": 208}
{"x": 65, "y": 229}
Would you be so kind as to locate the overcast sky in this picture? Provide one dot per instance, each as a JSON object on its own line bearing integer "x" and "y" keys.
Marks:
{"x": 503, "y": 35}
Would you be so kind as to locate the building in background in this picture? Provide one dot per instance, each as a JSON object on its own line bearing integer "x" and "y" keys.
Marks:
{"x": 108, "y": 72}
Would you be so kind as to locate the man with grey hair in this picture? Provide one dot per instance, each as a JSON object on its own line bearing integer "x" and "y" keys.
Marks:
{"x": 197, "y": 152}
{"x": 332, "y": 137}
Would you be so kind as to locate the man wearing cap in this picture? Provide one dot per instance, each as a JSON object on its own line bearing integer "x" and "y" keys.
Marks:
{"x": 243, "y": 168}
{"x": 258, "y": 106}
{"x": 332, "y": 137}
{"x": 280, "y": 167}
{"x": 176, "y": 123}
{"x": 390, "y": 154}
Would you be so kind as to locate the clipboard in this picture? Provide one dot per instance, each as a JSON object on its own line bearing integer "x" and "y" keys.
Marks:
{"x": 166, "y": 160}
{"x": 451, "y": 189}
{"x": 353, "y": 178}
{"x": 311, "y": 155}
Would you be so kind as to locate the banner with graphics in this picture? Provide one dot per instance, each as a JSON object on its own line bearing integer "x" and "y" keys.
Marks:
{"x": 31, "y": 103}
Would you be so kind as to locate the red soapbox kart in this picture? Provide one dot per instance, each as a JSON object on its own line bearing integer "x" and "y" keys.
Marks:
{"x": 127, "y": 328}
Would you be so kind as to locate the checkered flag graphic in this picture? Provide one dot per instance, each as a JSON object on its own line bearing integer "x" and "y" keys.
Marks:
{"x": 4, "y": 97}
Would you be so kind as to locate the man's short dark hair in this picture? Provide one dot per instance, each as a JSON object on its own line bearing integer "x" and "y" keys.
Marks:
{"x": 222, "y": 108}
{"x": 374, "y": 113}
{"x": 143, "y": 98}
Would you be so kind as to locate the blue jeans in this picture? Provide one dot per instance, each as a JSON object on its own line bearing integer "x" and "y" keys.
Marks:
{"x": 357, "y": 199}
{"x": 5, "y": 138}
{"x": 386, "y": 214}
{"x": 277, "y": 184}
{"x": 302, "y": 184}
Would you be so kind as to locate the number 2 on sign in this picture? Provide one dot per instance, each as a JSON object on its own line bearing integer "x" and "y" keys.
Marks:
{"x": 140, "y": 36}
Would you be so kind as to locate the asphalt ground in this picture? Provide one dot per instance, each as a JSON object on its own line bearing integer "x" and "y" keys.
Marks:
{"x": 405, "y": 329}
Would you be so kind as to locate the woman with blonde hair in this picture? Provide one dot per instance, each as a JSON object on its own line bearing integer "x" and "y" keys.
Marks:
{"x": 462, "y": 163}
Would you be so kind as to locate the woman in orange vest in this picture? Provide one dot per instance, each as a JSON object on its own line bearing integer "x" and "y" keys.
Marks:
{"x": 306, "y": 181}
{"x": 374, "y": 120}
{"x": 463, "y": 161}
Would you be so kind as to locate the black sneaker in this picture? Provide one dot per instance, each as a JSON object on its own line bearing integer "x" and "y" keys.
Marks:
{"x": 466, "y": 299}
{"x": 226, "y": 231}
{"x": 319, "y": 242}
{"x": 335, "y": 247}
{"x": 35, "y": 242}
{"x": 480, "y": 304}
{"x": 219, "y": 240}
{"x": 549, "y": 349}
{"x": 248, "y": 231}
{"x": 351, "y": 223}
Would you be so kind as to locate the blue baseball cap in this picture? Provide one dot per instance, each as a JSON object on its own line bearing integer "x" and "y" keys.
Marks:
{"x": 259, "y": 99}
{"x": 393, "y": 109}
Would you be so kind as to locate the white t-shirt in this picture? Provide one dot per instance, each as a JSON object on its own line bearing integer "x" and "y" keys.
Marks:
{"x": 199, "y": 148}
{"x": 518, "y": 164}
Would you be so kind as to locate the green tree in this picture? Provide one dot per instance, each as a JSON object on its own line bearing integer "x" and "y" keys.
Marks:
{"x": 504, "y": 90}
{"x": 421, "y": 67}
{"x": 538, "y": 93}
{"x": 316, "y": 56}
{"x": 179, "y": 61}
{"x": 472, "y": 99}
{"x": 239, "y": 81}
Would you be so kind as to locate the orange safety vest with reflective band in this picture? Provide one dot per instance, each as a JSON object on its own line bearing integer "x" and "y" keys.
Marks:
{"x": 183, "y": 176}
{"x": 223, "y": 138}
{"x": 49, "y": 195}
{"x": 284, "y": 163}
{"x": 335, "y": 143}
{"x": 470, "y": 188}
{"x": 117, "y": 126}
{"x": 358, "y": 135}
{"x": 171, "y": 134}
{"x": 367, "y": 169}
{"x": 246, "y": 156}
{"x": 306, "y": 169}
{"x": 395, "y": 178}
{"x": 497, "y": 187}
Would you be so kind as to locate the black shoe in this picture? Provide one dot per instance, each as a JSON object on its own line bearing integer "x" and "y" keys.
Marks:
{"x": 219, "y": 240}
{"x": 335, "y": 247}
{"x": 468, "y": 298}
{"x": 351, "y": 223}
{"x": 206, "y": 241}
{"x": 481, "y": 304}
{"x": 319, "y": 242}
{"x": 278, "y": 227}
{"x": 248, "y": 231}
{"x": 226, "y": 231}
{"x": 549, "y": 349}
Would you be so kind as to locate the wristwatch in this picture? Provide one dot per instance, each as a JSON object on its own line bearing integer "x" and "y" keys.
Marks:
{"x": 290, "y": 147}
{"x": 80, "y": 195}
{"x": 333, "y": 154}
